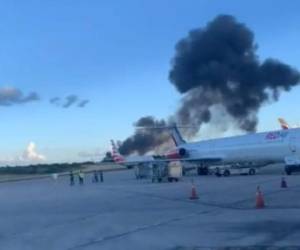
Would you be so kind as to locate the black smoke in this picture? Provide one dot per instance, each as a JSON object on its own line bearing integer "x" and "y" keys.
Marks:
{"x": 145, "y": 140}
{"x": 217, "y": 67}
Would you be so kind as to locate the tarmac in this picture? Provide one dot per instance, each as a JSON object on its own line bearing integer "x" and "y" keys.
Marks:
{"x": 125, "y": 213}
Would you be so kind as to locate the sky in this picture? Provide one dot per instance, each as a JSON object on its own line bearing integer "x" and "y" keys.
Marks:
{"x": 116, "y": 56}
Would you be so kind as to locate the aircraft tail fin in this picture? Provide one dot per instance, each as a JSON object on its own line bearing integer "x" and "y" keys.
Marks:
{"x": 283, "y": 123}
{"x": 176, "y": 136}
{"x": 117, "y": 157}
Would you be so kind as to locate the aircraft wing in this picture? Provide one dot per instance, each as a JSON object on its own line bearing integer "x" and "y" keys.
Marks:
{"x": 206, "y": 160}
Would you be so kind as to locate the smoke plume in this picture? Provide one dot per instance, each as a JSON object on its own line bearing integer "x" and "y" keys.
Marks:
{"x": 217, "y": 67}
{"x": 145, "y": 140}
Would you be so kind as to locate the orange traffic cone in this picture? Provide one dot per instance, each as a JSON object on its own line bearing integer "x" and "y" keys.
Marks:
{"x": 283, "y": 183}
{"x": 194, "y": 195}
{"x": 260, "y": 203}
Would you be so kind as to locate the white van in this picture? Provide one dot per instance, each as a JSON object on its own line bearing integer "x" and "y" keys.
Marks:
{"x": 237, "y": 169}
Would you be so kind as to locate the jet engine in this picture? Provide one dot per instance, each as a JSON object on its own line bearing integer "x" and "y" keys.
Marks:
{"x": 177, "y": 153}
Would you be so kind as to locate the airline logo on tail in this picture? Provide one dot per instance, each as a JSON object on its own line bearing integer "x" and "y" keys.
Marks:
{"x": 283, "y": 123}
{"x": 117, "y": 157}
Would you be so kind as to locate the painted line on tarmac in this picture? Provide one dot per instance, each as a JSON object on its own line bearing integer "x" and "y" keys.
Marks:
{"x": 137, "y": 230}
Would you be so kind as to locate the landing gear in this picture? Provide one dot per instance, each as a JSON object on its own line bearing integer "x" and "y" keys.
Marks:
{"x": 252, "y": 171}
{"x": 226, "y": 173}
{"x": 202, "y": 170}
{"x": 288, "y": 170}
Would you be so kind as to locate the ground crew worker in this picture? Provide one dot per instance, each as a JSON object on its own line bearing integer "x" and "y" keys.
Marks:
{"x": 71, "y": 178}
{"x": 101, "y": 176}
{"x": 80, "y": 176}
{"x": 95, "y": 178}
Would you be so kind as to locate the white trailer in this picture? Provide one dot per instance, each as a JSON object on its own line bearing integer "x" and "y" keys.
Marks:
{"x": 171, "y": 171}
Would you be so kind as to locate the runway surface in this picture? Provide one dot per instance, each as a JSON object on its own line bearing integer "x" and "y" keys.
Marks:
{"x": 124, "y": 213}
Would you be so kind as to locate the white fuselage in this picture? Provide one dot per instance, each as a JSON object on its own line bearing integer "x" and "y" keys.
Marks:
{"x": 275, "y": 146}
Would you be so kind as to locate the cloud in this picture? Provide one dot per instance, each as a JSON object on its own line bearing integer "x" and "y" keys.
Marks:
{"x": 55, "y": 101}
{"x": 31, "y": 155}
{"x": 83, "y": 103}
{"x": 69, "y": 101}
{"x": 11, "y": 96}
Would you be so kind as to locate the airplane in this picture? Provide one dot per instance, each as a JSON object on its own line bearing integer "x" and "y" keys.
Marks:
{"x": 129, "y": 161}
{"x": 282, "y": 146}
